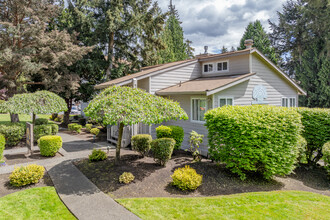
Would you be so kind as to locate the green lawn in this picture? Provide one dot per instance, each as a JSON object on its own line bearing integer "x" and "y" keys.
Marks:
{"x": 35, "y": 203}
{"x": 260, "y": 205}
{"x": 22, "y": 117}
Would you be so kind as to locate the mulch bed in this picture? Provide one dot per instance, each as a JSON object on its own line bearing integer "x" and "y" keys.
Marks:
{"x": 6, "y": 188}
{"x": 152, "y": 180}
{"x": 13, "y": 159}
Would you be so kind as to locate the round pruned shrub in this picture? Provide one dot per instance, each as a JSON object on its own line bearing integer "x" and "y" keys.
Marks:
{"x": 42, "y": 130}
{"x": 26, "y": 175}
{"x": 41, "y": 121}
{"x": 162, "y": 149}
{"x": 255, "y": 138}
{"x": 141, "y": 143}
{"x": 186, "y": 178}
{"x": 126, "y": 177}
{"x": 316, "y": 122}
{"x": 97, "y": 155}
{"x": 2, "y": 145}
{"x": 171, "y": 131}
{"x": 13, "y": 132}
{"x": 89, "y": 127}
{"x": 95, "y": 131}
{"x": 49, "y": 145}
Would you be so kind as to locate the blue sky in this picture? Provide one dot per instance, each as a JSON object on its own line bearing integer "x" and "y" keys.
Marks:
{"x": 221, "y": 22}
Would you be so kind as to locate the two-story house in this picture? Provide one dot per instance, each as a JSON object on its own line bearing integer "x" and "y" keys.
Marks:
{"x": 243, "y": 77}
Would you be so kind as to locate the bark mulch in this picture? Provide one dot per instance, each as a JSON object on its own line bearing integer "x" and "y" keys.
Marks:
{"x": 152, "y": 180}
{"x": 13, "y": 159}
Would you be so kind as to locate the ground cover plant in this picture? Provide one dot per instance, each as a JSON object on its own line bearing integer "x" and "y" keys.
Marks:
{"x": 254, "y": 138}
{"x": 36, "y": 203}
{"x": 97, "y": 155}
{"x": 49, "y": 145}
{"x": 260, "y": 205}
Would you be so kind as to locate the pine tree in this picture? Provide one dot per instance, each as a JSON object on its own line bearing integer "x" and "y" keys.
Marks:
{"x": 261, "y": 41}
{"x": 302, "y": 37}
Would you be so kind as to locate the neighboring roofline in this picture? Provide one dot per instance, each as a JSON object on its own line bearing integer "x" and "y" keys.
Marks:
{"x": 246, "y": 78}
{"x": 280, "y": 71}
{"x": 224, "y": 55}
{"x": 148, "y": 74}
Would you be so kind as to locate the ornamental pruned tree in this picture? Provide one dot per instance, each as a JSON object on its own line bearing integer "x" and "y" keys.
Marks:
{"x": 41, "y": 102}
{"x": 128, "y": 106}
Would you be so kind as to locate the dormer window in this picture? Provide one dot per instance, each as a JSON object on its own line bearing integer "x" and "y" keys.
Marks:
{"x": 222, "y": 66}
{"x": 208, "y": 68}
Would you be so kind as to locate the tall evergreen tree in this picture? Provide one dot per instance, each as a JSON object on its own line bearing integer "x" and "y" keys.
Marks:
{"x": 302, "y": 37}
{"x": 261, "y": 41}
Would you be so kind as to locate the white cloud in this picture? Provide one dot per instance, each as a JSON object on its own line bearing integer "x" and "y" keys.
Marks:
{"x": 221, "y": 22}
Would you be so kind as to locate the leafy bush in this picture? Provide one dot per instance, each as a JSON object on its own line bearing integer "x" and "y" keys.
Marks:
{"x": 162, "y": 149}
{"x": 70, "y": 126}
{"x": 141, "y": 143}
{"x": 195, "y": 140}
{"x": 254, "y": 138}
{"x": 49, "y": 145}
{"x": 2, "y": 145}
{"x": 54, "y": 128}
{"x": 171, "y": 131}
{"x": 42, "y": 130}
{"x": 97, "y": 155}
{"x": 89, "y": 127}
{"x": 301, "y": 146}
{"x": 75, "y": 127}
{"x": 82, "y": 121}
{"x": 58, "y": 119}
{"x": 126, "y": 177}
{"x": 53, "y": 116}
{"x": 186, "y": 178}
{"x": 29, "y": 174}
{"x": 41, "y": 121}
{"x": 95, "y": 131}
{"x": 326, "y": 155}
{"x": 13, "y": 132}
{"x": 316, "y": 124}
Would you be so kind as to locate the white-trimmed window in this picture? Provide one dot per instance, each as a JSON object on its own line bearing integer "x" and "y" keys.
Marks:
{"x": 222, "y": 66}
{"x": 289, "y": 102}
{"x": 208, "y": 67}
{"x": 225, "y": 101}
{"x": 198, "y": 109}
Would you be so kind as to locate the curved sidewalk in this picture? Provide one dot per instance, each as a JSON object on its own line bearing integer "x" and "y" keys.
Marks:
{"x": 82, "y": 197}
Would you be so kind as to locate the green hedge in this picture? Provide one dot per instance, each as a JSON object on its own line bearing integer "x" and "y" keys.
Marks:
{"x": 2, "y": 145}
{"x": 254, "y": 138}
{"x": 141, "y": 143}
{"x": 41, "y": 130}
{"x": 89, "y": 127}
{"x": 49, "y": 145}
{"x": 13, "y": 132}
{"x": 326, "y": 156}
{"x": 171, "y": 131}
{"x": 162, "y": 149}
{"x": 41, "y": 121}
{"x": 75, "y": 127}
{"x": 316, "y": 131}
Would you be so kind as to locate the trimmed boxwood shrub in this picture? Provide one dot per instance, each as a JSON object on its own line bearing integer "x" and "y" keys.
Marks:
{"x": 254, "y": 138}
{"x": 186, "y": 178}
{"x": 95, "y": 131}
{"x": 29, "y": 174}
{"x": 41, "y": 121}
{"x": 97, "y": 155}
{"x": 49, "y": 145}
{"x": 171, "y": 131}
{"x": 13, "y": 132}
{"x": 2, "y": 145}
{"x": 89, "y": 127}
{"x": 41, "y": 130}
{"x": 162, "y": 149}
{"x": 141, "y": 143}
{"x": 316, "y": 122}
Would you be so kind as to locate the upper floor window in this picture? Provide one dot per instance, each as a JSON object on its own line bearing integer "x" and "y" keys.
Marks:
{"x": 208, "y": 68}
{"x": 289, "y": 102}
{"x": 222, "y": 66}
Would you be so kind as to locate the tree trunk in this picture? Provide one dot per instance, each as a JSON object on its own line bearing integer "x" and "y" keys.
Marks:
{"x": 110, "y": 55}
{"x": 120, "y": 137}
{"x": 14, "y": 117}
{"x": 67, "y": 113}
{"x": 33, "y": 119}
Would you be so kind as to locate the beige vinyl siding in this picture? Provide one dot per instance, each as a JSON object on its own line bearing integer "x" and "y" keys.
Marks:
{"x": 173, "y": 77}
{"x": 236, "y": 65}
{"x": 144, "y": 84}
{"x": 276, "y": 86}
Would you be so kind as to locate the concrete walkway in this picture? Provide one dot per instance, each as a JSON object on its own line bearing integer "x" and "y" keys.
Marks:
{"x": 76, "y": 191}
